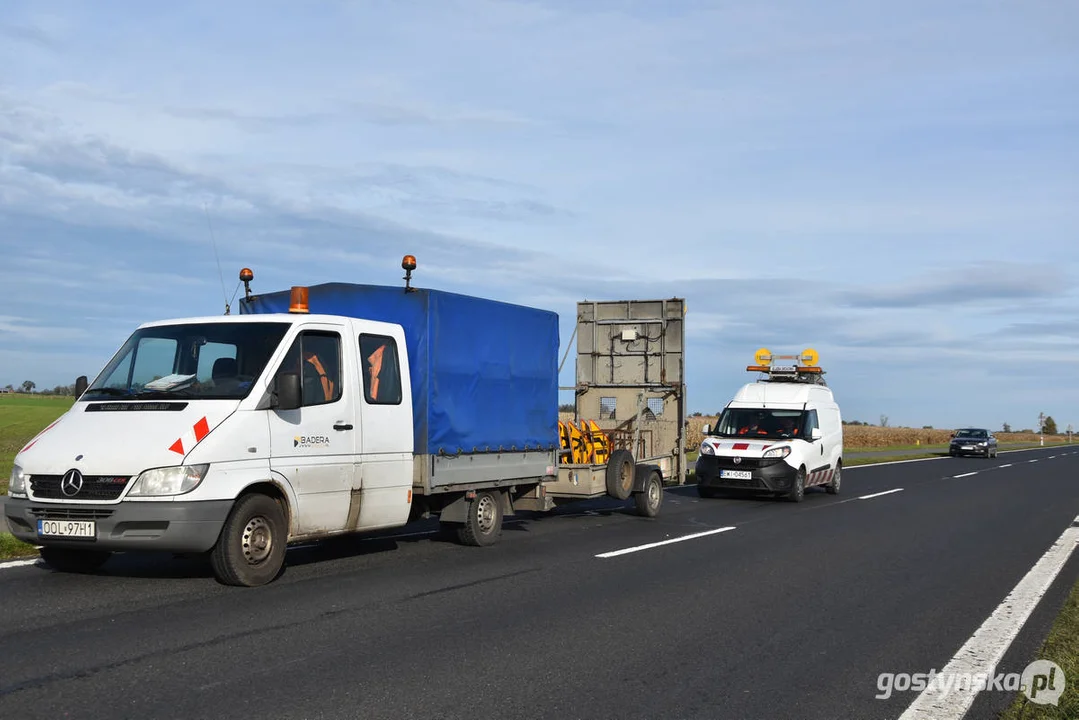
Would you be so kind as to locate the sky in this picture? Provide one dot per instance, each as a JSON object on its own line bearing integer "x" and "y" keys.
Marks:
{"x": 893, "y": 184}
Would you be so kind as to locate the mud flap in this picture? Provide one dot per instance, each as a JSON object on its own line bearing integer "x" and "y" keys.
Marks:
{"x": 640, "y": 476}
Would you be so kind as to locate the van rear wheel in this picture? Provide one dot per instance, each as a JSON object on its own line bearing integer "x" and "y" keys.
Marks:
{"x": 483, "y": 523}
{"x": 251, "y": 549}
{"x": 833, "y": 486}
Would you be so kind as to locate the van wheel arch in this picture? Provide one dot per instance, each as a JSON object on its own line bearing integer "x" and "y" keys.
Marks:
{"x": 274, "y": 491}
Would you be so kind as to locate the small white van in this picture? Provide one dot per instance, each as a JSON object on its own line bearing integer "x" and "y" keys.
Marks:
{"x": 779, "y": 435}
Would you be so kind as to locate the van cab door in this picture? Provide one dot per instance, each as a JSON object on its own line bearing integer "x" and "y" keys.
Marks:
{"x": 314, "y": 446}
{"x": 384, "y": 476}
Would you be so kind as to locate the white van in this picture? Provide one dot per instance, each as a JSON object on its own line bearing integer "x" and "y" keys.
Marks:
{"x": 778, "y": 435}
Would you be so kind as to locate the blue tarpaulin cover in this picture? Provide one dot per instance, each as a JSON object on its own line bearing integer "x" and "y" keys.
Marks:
{"x": 484, "y": 373}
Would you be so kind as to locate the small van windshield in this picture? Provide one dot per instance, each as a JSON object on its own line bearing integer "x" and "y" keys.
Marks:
{"x": 218, "y": 361}
{"x": 764, "y": 423}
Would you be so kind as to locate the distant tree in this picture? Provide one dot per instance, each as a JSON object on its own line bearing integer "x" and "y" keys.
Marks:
{"x": 1050, "y": 427}
{"x": 1006, "y": 428}
{"x": 28, "y": 386}
{"x": 884, "y": 421}
{"x": 697, "y": 414}
{"x": 9, "y": 387}
{"x": 1027, "y": 431}
{"x": 566, "y": 407}
{"x": 927, "y": 427}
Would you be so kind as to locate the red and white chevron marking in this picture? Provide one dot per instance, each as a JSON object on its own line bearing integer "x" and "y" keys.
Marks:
{"x": 191, "y": 438}
{"x": 820, "y": 477}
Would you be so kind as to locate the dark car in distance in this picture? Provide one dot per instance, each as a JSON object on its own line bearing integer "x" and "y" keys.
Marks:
{"x": 973, "y": 441}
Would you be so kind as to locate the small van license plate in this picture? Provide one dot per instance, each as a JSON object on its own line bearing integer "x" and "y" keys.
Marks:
{"x": 66, "y": 528}
{"x": 736, "y": 474}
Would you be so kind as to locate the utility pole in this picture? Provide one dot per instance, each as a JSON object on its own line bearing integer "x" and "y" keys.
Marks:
{"x": 1041, "y": 427}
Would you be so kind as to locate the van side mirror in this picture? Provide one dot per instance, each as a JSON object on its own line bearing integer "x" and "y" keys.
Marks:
{"x": 81, "y": 384}
{"x": 288, "y": 391}
{"x": 706, "y": 428}
{"x": 816, "y": 433}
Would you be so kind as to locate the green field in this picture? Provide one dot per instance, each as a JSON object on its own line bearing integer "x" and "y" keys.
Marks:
{"x": 21, "y": 418}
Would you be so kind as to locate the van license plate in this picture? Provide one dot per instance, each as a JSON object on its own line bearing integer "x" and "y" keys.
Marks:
{"x": 736, "y": 474}
{"x": 66, "y": 528}
{"x": 968, "y": 447}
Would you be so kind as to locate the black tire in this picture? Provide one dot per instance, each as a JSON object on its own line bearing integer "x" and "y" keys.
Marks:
{"x": 483, "y": 525}
{"x": 833, "y": 487}
{"x": 706, "y": 492}
{"x": 251, "y": 549}
{"x": 620, "y": 474}
{"x": 650, "y": 500}
{"x": 72, "y": 560}
{"x": 799, "y": 491}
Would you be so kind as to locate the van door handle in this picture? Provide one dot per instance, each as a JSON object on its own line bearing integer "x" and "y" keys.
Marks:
{"x": 342, "y": 426}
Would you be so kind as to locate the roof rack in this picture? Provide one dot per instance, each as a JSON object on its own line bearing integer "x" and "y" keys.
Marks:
{"x": 802, "y": 368}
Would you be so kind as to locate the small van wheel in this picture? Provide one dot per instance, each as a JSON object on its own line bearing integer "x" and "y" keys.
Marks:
{"x": 71, "y": 560}
{"x": 833, "y": 487}
{"x": 483, "y": 526}
{"x": 649, "y": 501}
{"x": 251, "y": 549}
{"x": 799, "y": 490}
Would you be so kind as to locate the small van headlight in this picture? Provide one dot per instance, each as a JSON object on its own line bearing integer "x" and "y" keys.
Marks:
{"x": 707, "y": 449}
{"x": 175, "y": 480}
{"x": 779, "y": 452}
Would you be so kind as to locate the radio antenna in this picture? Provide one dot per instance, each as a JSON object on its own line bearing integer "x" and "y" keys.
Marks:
{"x": 220, "y": 273}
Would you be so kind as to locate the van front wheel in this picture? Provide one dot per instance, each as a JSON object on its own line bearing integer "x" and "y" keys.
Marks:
{"x": 251, "y": 549}
{"x": 799, "y": 490}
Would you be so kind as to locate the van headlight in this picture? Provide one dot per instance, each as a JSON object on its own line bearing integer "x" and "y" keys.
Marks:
{"x": 779, "y": 452}
{"x": 175, "y": 480}
{"x": 707, "y": 449}
{"x": 17, "y": 483}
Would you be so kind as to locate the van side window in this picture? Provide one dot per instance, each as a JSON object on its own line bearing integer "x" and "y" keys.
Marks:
{"x": 381, "y": 369}
{"x": 316, "y": 356}
{"x": 810, "y": 424}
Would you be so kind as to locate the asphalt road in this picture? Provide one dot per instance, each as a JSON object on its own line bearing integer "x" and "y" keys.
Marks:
{"x": 793, "y": 613}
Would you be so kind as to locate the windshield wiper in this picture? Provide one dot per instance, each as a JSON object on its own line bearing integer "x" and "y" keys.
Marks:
{"x": 163, "y": 394}
{"x": 108, "y": 391}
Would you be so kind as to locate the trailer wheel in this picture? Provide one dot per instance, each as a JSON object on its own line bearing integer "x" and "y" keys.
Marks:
{"x": 649, "y": 501}
{"x": 483, "y": 524}
{"x": 620, "y": 471}
{"x": 251, "y": 549}
{"x": 71, "y": 560}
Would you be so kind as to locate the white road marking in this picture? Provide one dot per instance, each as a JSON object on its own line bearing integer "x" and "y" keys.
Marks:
{"x": 1052, "y": 457}
{"x": 966, "y": 474}
{"x": 1007, "y": 465}
{"x": 986, "y": 647}
{"x": 18, "y": 563}
{"x": 886, "y": 492}
{"x": 891, "y": 462}
{"x": 1031, "y": 461}
{"x": 638, "y": 548}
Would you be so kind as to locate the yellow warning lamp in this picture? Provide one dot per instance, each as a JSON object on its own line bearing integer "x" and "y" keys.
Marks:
{"x": 810, "y": 357}
{"x": 408, "y": 264}
{"x": 298, "y": 300}
{"x": 763, "y": 356}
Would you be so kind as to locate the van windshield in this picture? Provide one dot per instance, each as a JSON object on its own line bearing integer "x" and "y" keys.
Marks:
{"x": 765, "y": 423}
{"x": 208, "y": 361}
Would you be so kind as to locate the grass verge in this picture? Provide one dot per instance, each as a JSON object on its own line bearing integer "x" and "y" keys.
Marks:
{"x": 1062, "y": 647}
{"x": 11, "y": 548}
